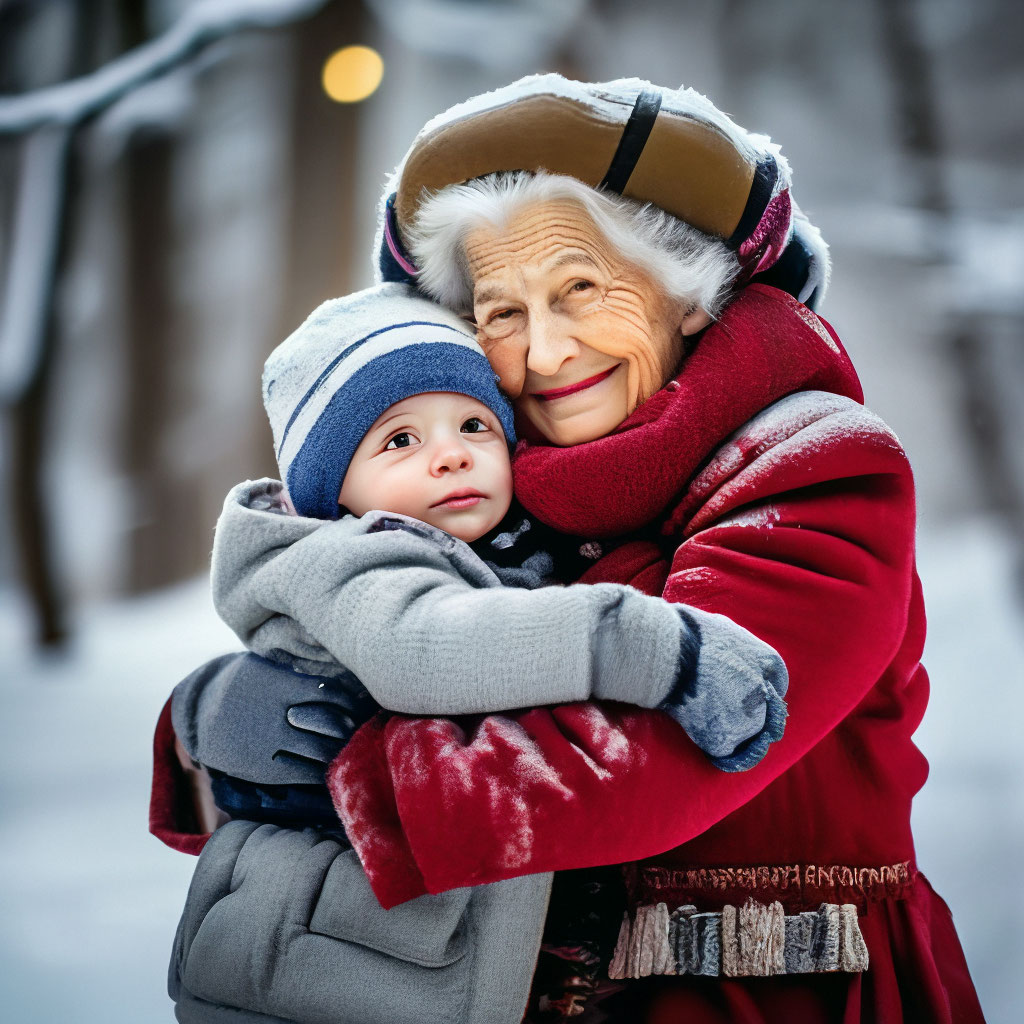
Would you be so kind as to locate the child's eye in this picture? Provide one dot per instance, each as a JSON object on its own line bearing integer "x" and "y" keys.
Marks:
{"x": 402, "y": 440}
{"x": 473, "y": 425}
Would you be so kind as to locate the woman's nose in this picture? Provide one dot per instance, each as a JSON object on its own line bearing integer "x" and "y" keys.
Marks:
{"x": 551, "y": 343}
{"x": 449, "y": 457}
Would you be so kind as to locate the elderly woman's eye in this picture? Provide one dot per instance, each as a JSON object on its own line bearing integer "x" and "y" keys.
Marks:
{"x": 401, "y": 440}
{"x": 581, "y": 286}
{"x": 501, "y": 314}
{"x": 474, "y": 425}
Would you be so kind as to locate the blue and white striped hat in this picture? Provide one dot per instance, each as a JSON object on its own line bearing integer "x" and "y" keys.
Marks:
{"x": 326, "y": 384}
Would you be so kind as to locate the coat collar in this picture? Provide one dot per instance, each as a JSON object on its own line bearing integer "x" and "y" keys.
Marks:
{"x": 766, "y": 345}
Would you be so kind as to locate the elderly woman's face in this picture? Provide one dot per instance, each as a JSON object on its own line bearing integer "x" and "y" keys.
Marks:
{"x": 578, "y": 336}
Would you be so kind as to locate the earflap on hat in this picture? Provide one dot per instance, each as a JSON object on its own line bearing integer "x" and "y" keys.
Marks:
{"x": 393, "y": 262}
{"x": 671, "y": 148}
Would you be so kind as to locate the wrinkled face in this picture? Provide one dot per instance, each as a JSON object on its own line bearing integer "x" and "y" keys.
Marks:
{"x": 438, "y": 457}
{"x": 578, "y": 336}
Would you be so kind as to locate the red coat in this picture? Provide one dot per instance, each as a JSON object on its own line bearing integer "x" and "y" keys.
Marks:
{"x": 795, "y": 518}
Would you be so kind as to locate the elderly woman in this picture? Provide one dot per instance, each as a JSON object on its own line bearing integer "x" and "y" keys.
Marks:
{"x": 709, "y": 438}
{"x": 636, "y": 274}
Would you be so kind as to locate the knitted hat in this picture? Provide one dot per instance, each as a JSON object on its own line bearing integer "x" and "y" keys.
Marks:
{"x": 326, "y": 384}
{"x": 669, "y": 147}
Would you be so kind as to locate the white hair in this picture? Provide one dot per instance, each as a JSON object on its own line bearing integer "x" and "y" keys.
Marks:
{"x": 691, "y": 266}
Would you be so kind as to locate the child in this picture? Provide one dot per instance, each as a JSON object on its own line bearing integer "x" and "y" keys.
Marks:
{"x": 384, "y": 407}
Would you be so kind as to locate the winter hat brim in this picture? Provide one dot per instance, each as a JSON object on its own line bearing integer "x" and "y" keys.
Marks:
{"x": 685, "y": 165}
{"x": 669, "y": 147}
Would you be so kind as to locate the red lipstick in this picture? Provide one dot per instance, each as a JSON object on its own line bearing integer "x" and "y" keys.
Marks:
{"x": 571, "y": 389}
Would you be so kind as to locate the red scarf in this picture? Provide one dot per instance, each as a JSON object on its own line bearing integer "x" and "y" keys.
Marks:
{"x": 765, "y": 346}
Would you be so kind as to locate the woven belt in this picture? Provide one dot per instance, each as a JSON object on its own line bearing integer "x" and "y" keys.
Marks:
{"x": 796, "y": 886}
{"x": 753, "y": 940}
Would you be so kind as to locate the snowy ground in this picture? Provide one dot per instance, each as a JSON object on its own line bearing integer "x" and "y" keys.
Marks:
{"x": 90, "y": 900}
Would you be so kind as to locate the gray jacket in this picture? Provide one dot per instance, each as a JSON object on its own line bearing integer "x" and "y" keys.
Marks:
{"x": 429, "y": 629}
{"x": 281, "y": 924}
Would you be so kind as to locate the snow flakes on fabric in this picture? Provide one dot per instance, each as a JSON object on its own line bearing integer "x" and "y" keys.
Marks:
{"x": 608, "y": 741}
{"x": 794, "y": 429}
{"x": 444, "y": 748}
{"x": 762, "y": 516}
{"x": 814, "y": 322}
{"x": 517, "y": 840}
{"x": 500, "y": 734}
{"x": 696, "y": 574}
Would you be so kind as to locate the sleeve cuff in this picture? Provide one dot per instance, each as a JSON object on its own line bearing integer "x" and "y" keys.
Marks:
{"x": 170, "y": 810}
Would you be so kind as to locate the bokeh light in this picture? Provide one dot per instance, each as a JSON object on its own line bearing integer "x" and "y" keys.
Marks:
{"x": 352, "y": 73}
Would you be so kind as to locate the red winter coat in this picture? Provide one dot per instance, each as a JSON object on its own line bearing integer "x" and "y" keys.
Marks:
{"x": 795, "y": 517}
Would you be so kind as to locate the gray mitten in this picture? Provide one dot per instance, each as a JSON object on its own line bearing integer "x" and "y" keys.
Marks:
{"x": 728, "y": 694}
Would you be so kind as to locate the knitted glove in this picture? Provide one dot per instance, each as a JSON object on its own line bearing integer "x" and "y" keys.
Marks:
{"x": 728, "y": 694}
{"x": 249, "y": 718}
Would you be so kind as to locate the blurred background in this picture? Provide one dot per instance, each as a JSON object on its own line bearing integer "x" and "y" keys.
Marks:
{"x": 182, "y": 181}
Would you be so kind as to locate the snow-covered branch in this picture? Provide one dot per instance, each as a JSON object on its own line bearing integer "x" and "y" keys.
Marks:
{"x": 28, "y": 287}
{"x": 202, "y": 24}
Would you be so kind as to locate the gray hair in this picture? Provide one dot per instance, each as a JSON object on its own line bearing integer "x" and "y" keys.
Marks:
{"x": 691, "y": 266}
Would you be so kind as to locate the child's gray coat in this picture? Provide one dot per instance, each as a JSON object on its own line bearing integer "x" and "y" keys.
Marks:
{"x": 282, "y": 924}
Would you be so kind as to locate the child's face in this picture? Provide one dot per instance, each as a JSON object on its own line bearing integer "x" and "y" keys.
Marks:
{"x": 438, "y": 457}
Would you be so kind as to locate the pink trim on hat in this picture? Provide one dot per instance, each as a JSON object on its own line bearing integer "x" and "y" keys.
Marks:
{"x": 765, "y": 244}
{"x": 393, "y": 247}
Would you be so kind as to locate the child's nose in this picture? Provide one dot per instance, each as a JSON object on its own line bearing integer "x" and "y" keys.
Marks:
{"x": 451, "y": 457}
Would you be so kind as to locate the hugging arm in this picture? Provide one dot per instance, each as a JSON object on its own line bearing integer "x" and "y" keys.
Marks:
{"x": 428, "y": 629}
{"x": 814, "y": 554}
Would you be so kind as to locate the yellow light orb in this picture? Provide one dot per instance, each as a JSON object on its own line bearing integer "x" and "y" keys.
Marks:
{"x": 352, "y": 73}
